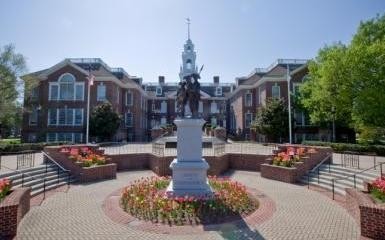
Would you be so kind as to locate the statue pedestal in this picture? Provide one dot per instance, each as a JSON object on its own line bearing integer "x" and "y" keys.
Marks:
{"x": 189, "y": 169}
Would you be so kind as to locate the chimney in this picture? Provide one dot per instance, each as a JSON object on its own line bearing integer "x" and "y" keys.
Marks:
{"x": 216, "y": 79}
{"x": 161, "y": 80}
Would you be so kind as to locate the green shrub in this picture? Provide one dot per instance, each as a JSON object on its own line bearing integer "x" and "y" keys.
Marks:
{"x": 341, "y": 147}
{"x": 18, "y": 147}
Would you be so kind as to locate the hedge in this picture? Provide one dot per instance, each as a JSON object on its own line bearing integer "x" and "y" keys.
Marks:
{"x": 341, "y": 147}
{"x": 6, "y": 148}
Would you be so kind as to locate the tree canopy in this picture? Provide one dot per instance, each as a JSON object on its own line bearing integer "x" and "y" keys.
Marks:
{"x": 272, "y": 120}
{"x": 11, "y": 66}
{"x": 104, "y": 121}
{"x": 349, "y": 79}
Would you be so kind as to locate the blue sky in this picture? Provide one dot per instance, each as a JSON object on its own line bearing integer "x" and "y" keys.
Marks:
{"x": 146, "y": 37}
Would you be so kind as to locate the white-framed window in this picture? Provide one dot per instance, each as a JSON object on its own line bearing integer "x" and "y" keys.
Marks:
{"x": 51, "y": 137}
{"x": 163, "y": 107}
{"x": 248, "y": 119}
{"x": 262, "y": 97}
{"x": 248, "y": 99}
{"x": 33, "y": 117}
{"x": 214, "y": 107}
{"x": 101, "y": 92}
{"x": 159, "y": 91}
{"x": 66, "y": 88}
{"x": 276, "y": 91}
{"x": 34, "y": 93}
{"x": 213, "y": 121}
{"x": 64, "y": 137}
{"x": 200, "y": 107}
{"x": 129, "y": 119}
{"x": 129, "y": 98}
{"x": 65, "y": 116}
{"x": 163, "y": 121}
{"x": 218, "y": 91}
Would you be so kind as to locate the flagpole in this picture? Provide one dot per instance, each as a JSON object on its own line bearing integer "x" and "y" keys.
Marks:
{"x": 289, "y": 103}
{"x": 88, "y": 106}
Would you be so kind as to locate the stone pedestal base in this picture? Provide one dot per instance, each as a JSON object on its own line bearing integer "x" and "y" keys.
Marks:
{"x": 189, "y": 178}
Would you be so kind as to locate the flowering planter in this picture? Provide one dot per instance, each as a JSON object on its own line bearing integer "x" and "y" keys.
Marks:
{"x": 12, "y": 209}
{"x": 283, "y": 174}
{"x": 83, "y": 174}
{"x": 368, "y": 214}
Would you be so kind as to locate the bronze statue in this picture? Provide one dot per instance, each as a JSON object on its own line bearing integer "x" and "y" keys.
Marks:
{"x": 188, "y": 91}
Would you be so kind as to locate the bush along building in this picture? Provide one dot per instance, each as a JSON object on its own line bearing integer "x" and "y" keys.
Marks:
{"x": 56, "y": 108}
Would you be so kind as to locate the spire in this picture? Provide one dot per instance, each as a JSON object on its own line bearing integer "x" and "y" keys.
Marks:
{"x": 188, "y": 28}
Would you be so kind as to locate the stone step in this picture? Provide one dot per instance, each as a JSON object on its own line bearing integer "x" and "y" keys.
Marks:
{"x": 342, "y": 184}
{"x": 50, "y": 186}
{"x": 337, "y": 190}
{"x": 17, "y": 173}
{"x": 370, "y": 173}
{"x": 338, "y": 175}
{"x": 39, "y": 181}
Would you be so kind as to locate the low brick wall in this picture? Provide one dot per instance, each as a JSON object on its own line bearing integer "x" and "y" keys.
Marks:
{"x": 283, "y": 174}
{"x": 12, "y": 210}
{"x": 98, "y": 173}
{"x": 88, "y": 174}
{"x": 369, "y": 215}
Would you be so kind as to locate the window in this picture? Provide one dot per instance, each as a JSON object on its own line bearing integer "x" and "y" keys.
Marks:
{"x": 101, "y": 92}
{"x": 188, "y": 64}
{"x": 33, "y": 117}
{"x": 52, "y": 116}
{"x": 163, "y": 107}
{"x": 66, "y": 89}
{"x": 79, "y": 91}
{"x": 34, "y": 93}
{"x": 248, "y": 99}
{"x": 67, "y": 84}
{"x": 129, "y": 98}
{"x": 51, "y": 137}
{"x": 78, "y": 137}
{"x": 64, "y": 137}
{"x": 78, "y": 116}
{"x": 248, "y": 119}
{"x": 163, "y": 121}
{"x": 153, "y": 107}
{"x": 158, "y": 91}
{"x": 128, "y": 120}
{"x": 53, "y": 91}
{"x": 200, "y": 107}
{"x": 218, "y": 91}
{"x": 213, "y": 121}
{"x": 32, "y": 137}
{"x": 262, "y": 97}
{"x": 276, "y": 91}
{"x": 214, "y": 107}
{"x": 65, "y": 116}
{"x": 117, "y": 94}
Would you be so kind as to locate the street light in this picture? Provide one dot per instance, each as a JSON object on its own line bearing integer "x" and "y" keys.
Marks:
{"x": 289, "y": 101}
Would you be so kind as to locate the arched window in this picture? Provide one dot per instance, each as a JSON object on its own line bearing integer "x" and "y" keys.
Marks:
{"x": 188, "y": 64}
{"x": 67, "y": 86}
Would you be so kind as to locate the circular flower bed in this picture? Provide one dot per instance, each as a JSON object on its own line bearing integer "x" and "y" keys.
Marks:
{"x": 146, "y": 200}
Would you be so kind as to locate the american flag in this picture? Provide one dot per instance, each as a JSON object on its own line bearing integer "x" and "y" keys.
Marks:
{"x": 91, "y": 79}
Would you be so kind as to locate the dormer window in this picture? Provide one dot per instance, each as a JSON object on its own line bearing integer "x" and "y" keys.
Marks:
{"x": 218, "y": 91}
{"x": 158, "y": 91}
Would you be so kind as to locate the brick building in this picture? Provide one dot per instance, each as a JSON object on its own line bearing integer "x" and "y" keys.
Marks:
{"x": 56, "y": 109}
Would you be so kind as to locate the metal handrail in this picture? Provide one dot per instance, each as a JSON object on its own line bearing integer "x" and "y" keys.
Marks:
{"x": 56, "y": 163}
{"x": 354, "y": 176}
{"x": 317, "y": 167}
{"x": 320, "y": 164}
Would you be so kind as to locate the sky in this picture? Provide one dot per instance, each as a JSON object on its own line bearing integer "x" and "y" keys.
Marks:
{"x": 146, "y": 37}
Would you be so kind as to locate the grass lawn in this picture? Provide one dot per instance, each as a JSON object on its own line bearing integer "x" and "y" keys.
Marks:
{"x": 10, "y": 140}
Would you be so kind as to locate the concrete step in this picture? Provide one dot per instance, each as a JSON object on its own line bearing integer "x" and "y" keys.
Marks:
{"x": 328, "y": 187}
{"x": 37, "y": 181}
{"x": 342, "y": 177}
{"x": 349, "y": 171}
{"x": 337, "y": 185}
{"x": 51, "y": 186}
{"x": 28, "y": 178}
{"x": 17, "y": 173}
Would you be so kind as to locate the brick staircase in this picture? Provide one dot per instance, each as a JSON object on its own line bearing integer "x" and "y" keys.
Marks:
{"x": 40, "y": 178}
{"x": 341, "y": 175}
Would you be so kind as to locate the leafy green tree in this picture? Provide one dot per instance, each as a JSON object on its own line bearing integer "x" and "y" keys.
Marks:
{"x": 349, "y": 79}
{"x": 104, "y": 121}
{"x": 272, "y": 120}
{"x": 11, "y": 66}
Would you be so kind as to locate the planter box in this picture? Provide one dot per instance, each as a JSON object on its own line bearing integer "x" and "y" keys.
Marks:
{"x": 283, "y": 174}
{"x": 12, "y": 209}
{"x": 369, "y": 215}
{"x": 97, "y": 173}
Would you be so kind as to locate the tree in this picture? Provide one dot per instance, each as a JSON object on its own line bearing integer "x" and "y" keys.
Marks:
{"x": 11, "y": 66}
{"x": 104, "y": 121}
{"x": 272, "y": 120}
{"x": 349, "y": 79}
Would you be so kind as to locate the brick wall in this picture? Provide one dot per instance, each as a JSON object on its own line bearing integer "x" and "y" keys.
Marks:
{"x": 369, "y": 215}
{"x": 97, "y": 173}
{"x": 12, "y": 210}
{"x": 278, "y": 173}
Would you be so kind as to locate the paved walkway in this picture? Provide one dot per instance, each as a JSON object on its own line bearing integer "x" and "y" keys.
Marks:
{"x": 78, "y": 214}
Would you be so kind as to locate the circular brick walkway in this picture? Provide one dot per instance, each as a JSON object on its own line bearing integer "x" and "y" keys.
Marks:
{"x": 79, "y": 214}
